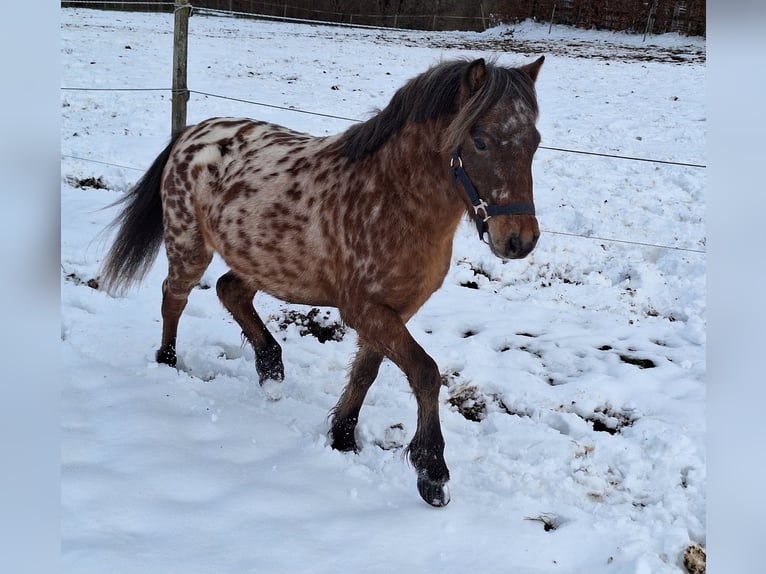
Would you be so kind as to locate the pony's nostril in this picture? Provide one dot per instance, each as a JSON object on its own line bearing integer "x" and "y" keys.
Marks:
{"x": 514, "y": 244}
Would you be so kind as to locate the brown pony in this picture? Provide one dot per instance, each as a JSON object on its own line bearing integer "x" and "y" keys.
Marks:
{"x": 362, "y": 221}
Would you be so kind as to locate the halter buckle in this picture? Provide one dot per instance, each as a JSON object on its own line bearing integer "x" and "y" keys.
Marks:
{"x": 482, "y": 205}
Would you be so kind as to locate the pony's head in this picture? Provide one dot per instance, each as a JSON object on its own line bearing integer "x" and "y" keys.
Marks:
{"x": 485, "y": 114}
{"x": 493, "y": 137}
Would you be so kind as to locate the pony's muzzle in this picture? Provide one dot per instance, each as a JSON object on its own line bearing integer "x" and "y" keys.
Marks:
{"x": 518, "y": 247}
{"x": 513, "y": 237}
{"x": 514, "y": 246}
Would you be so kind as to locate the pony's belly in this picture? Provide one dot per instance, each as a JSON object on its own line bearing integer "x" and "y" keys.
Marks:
{"x": 292, "y": 281}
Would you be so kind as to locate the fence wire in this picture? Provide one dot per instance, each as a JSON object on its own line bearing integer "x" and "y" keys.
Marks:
{"x": 357, "y": 120}
{"x": 550, "y": 231}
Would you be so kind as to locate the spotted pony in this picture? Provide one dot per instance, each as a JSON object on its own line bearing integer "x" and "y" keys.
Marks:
{"x": 362, "y": 221}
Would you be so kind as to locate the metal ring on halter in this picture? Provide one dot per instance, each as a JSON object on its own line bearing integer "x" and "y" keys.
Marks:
{"x": 483, "y": 205}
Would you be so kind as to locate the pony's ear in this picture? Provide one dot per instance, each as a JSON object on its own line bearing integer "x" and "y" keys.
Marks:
{"x": 534, "y": 68}
{"x": 474, "y": 77}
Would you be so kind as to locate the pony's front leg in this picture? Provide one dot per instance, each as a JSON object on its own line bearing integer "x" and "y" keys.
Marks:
{"x": 383, "y": 330}
{"x": 426, "y": 450}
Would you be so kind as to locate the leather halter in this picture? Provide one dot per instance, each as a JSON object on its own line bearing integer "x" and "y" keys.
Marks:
{"x": 482, "y": 210}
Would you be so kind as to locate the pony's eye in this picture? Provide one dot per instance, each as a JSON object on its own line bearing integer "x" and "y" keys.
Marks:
{"x": 480, "y": 144}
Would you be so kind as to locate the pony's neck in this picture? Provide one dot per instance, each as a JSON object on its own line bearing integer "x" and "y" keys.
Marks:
{"x": 415, "y": 159}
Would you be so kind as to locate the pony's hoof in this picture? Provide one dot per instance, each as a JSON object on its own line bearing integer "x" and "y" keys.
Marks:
{"x": 342, "y": 435}
{"x": 434, "y": 492}
{"x": 344, "y": 445}
{"x": 275, "y": 373}
{"x": 268, "y": 364}
{"x": 166, "y": 356}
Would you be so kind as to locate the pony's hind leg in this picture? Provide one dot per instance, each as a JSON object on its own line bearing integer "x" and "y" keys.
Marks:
{"x": 237, "y": 296}
{"x": 364, "y": 369}
{"x": 185, "y": 269}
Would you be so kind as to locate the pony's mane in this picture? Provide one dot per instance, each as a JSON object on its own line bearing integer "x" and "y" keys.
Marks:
{"x": 435, "y": 94}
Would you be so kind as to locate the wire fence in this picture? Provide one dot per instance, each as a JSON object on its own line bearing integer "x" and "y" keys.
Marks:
{"x": 550, "y": 231}
{"x": 356, "y": 120}
{"x": 348, "y": 119}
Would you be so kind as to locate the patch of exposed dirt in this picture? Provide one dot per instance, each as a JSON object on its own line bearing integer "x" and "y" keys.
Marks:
{"x": 87, "y": 182}
{"x": 474, "y": 405}
{"x": 695, "y": 559}
{"x": 323, "y": 327}
{"x": 607, "y": 51}
{"x": 77, "y": 280}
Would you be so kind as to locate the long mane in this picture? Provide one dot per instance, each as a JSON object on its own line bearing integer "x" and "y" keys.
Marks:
{"x": 435, "y": 94}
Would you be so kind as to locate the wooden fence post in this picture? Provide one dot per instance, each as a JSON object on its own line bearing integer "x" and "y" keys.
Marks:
{"x": 553, "y": 15}
{"x": 180, "y": 45}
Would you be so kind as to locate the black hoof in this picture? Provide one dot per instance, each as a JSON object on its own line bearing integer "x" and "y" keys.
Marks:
{"x": 268, "y": 365}
{"x": 433, "y": 492}
{"x": 166, "y": 356}
{"x": 275, "y": 376}
{"x": 342, "y": 434}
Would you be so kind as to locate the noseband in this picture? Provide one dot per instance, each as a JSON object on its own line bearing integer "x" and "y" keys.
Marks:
{"x": 482, "y": 211}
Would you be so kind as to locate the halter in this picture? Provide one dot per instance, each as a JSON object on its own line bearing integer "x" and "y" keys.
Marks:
{"x": 479, "y": 205}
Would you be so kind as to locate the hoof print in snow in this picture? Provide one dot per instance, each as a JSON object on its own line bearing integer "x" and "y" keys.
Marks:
{"x": 472, "y": 403}
{"x": 468, "y": 402}
{"x": 393, "y": 438}
{"x": 549, "y": 521}
{"x": 606, "y": 419}
{"x": 524, "y": 334}
{"x": 695, "y": 559}
{"x": 631, "y": 359}
{"x": 638, "y": 362}
{"x": 311, "y": 323}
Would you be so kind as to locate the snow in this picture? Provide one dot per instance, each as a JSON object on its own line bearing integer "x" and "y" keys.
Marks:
{"x": 201, "y": 470}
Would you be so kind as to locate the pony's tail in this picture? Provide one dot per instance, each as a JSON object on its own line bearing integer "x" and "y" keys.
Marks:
{"x": 140, "y": 229}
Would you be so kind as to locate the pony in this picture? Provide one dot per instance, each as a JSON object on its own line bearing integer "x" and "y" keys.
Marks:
{"x": 362, "y": 221}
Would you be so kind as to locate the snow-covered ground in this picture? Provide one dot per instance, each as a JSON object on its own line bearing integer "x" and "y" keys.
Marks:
{"x": 574, "y": 398}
